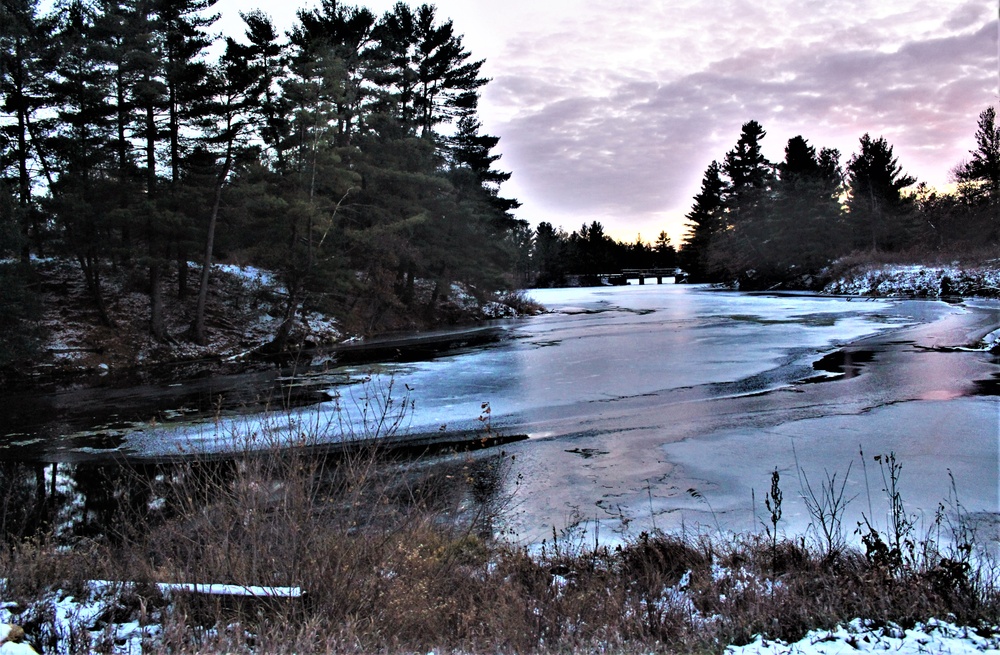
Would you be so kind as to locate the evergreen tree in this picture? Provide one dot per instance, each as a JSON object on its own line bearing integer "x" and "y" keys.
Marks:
{"x": 665, "y": 253}
{"x": 750, "y": 173}
{"x": 734, "y": 249}
{"x": 548, "y": 256}
{"x": 83, "y": 149}
{"x": 803, "y": 229}
{"x": 237, "y": 86}
{"x": 345, "y": 38}
{"x": 591, "y": 251}
{"x": 357, "y": 148}
{"x": 428, "y": 71}
{"x": 800, "y": 161}
{"x": 181, "y": 26}
{"x": 474, "y": 151}
{"x": 265, "y": 55}
{"x": 706, "y": 221}
{"x": 878, "y": 211}
{"x": 20, "y": 331}
{"x": 24, "y": 66}
{"x": 981, "y": 174}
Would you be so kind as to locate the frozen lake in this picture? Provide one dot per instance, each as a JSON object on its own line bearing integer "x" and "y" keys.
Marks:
{"x": 669, "y": 406}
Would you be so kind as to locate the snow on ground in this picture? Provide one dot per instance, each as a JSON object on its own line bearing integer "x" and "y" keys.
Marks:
{"x": 10, "y": 641}
{"x": 241, "y": 317}
{"x": 925, "y": 281}
{"x": 110, "y": 616}
{"x": 868, "y": 637}
{"x": 250, "y": 274}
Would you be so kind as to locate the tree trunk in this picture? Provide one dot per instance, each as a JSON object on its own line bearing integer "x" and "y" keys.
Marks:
{"x": 198, "y": 328}
{"x": 91, "y": 268}
{"x": 157, "y": 326}
{"x": 182, "y": 274}
{"x": 285, "y": 329}
{"x": 24, "y": 181}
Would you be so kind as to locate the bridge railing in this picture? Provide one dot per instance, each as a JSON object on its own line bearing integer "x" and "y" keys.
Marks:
{"x": 620, "y": 278}
{"x": 658, "y": 273}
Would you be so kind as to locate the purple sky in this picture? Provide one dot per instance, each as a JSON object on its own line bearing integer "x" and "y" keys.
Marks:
{"x": 611, "y": 111}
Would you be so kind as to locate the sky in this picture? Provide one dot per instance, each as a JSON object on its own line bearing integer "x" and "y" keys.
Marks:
{"x": 612, "y": 110}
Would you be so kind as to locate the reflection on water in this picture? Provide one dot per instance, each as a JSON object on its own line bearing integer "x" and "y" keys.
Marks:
{"x": 71, "y": 501}
{"x": 119, "y": 502}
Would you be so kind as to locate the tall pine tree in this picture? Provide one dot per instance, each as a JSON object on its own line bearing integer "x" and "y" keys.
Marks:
{"x": 706, "y": 221}
{"x": 879, "y": 214}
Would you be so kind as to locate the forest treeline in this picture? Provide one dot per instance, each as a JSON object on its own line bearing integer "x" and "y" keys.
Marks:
{"x": 346, "y": 156}
{"x": 757, "y": 223}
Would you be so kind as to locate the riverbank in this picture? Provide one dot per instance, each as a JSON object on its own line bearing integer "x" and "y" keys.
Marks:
{"x": 915, "y": 280}
{"x": 78, "y": 350}
{"x": 243, "y": 316}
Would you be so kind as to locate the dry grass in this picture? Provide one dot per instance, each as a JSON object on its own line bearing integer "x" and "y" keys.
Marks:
{"x": 399, "y": 556}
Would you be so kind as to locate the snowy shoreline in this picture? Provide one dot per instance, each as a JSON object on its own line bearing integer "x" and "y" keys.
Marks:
{"x": 919, "y": 281}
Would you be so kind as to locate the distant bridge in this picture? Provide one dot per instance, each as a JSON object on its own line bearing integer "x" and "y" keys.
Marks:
{"x": 626, "y": 274}
{"x": 658, "y": 273}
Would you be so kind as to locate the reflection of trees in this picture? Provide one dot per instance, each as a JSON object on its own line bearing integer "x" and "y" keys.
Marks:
{"x": 118, "y": 502}
{"x": 24, "y": 511}
{"x": 71, "y": 501}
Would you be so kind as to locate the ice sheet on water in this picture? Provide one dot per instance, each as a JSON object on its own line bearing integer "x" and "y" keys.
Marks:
{"x": 614, "y": 343}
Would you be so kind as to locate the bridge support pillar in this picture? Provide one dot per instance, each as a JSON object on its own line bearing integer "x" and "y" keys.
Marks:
{"x": 642, "y": 279}
{"x": 659, "y": 279}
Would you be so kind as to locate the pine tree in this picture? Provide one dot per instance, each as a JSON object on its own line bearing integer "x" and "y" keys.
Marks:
{"x": 750, "y": 173}
{"x": 983, "y": 170}
{"x": 83, "y": 149}
{"x": 428, "y": 71}
{"x": 548, "y": 256}
{"x": 347, "y": 36}
{"x": 24, "y": 66}
{"x": 20, "y": 331}
{"x": 803, "y": 228}
{"x": 474, "y": 151}
{"x": 878, "y": 211}
{"x": 706, "y": 220}
{"x": 734, "y": 250}
{"x": 666, "y": 254}
{"x": 265, "y": 55}
{"x": 237, "y": 85}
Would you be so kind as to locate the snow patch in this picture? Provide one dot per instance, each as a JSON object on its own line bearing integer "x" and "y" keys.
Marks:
{"x": 921, "y": 281}
{"x": 247, "y": 273}
{"x": 861, "y": 636}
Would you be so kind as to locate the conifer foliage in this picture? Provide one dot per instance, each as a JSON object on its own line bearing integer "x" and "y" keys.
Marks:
{"x": 347, "y": 157}
{"x": 758, "y": 224}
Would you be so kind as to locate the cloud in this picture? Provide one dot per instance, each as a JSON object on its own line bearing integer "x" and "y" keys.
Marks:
{"x": 968, "y": 15}
{"x": 631, "y": 145}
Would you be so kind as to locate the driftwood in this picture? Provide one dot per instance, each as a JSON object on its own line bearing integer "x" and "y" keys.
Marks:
{"x": 236, "y": 591}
